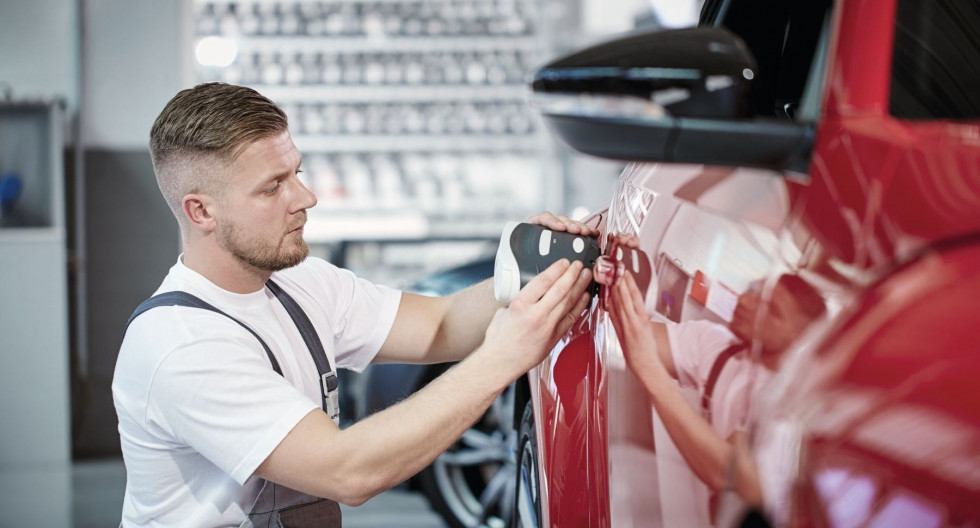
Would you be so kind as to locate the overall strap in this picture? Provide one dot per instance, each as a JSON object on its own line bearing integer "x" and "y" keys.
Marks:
{"x": 328, "y": 379}
{"x": 716, "y": 368}
{"x": 180, "y": 298}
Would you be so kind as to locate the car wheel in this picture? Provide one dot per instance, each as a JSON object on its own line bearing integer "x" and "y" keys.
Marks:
{"x": 527, "y": 513}
{"x": 472, "y": 484}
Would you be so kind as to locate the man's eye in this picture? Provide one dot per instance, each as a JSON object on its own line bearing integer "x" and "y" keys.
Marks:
{"x": 272, "y": 189}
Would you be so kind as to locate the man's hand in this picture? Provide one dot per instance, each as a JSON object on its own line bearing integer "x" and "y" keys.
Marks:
{"x": 561, "y": 223}
{"x": 632, "y": 324}
{"x": 543, "y": 311}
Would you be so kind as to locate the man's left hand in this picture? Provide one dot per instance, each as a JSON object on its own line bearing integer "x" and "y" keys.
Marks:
{"x": 562, "y": 223}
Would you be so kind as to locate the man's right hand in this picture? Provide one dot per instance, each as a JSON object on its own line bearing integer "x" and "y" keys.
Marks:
{"x": 354, "y": 464}
{"x": 543, "y": 311}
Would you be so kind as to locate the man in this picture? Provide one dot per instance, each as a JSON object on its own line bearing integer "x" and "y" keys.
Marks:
{"x": 211, "y": 434}
{"x": 713, "y": 360}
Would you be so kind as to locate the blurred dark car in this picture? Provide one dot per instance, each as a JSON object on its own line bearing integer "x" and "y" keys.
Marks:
{"x": 472, "y": 483}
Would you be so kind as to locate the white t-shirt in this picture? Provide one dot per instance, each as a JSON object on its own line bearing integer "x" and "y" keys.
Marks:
{"x": 199, "y": 404}
{"x": 695, "y": 345}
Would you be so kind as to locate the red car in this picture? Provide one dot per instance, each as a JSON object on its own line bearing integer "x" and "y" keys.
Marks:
{"x": 835, "y": 141}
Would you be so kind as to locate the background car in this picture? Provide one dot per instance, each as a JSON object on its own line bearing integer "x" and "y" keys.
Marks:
{"x": 472, "y": 483}
{"x": 832, "y": 140}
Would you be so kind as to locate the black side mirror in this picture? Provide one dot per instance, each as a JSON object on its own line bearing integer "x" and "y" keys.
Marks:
{"x": 675, "y": 96}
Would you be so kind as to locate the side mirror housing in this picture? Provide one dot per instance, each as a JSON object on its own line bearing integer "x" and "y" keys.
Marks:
{"x": 674, "y": 96}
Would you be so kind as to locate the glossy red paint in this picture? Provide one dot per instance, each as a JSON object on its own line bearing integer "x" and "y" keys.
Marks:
{"x": 861, "y": 42}
{"x": 883, "y": 404}
{"x": 889, "y": 401}
{"x": 882, "y": 188}
{"x": 891, "y": 424}
{"x": 572, "y": 431}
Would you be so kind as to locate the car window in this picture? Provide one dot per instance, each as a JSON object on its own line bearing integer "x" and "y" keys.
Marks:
{"x": 936, "y": 60}
{"x": 784, "y": 37}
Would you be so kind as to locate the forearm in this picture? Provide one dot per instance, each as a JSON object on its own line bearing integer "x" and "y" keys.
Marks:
{"x": 467, "y": 315}
{"x": 353, "y": 465}
{"x": 439, "y": 329}
{"x": 391, "y": 446}
{"x": 707, "y": 454}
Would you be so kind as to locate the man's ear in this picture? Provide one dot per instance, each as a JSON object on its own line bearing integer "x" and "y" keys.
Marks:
{"x": 199, "y": 210}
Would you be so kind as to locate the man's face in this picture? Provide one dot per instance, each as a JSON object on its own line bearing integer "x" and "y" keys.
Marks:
{"x": 261, "y": 215}
{"x": 743, "y": 319}
{"x": 784, "y": 321}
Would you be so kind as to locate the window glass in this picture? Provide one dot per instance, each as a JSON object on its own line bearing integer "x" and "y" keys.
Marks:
{"x": 783, "y": 38}
{"x": 936, "y": 60}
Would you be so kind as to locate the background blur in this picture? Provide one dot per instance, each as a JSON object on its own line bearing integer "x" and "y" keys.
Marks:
{"x": 416, "y": 135}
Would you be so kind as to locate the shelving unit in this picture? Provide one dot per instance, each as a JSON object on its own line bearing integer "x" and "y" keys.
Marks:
{"x": 411, "y": 115}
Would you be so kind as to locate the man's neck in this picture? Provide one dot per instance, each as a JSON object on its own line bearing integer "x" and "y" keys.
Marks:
{"x": 224, "y": 270}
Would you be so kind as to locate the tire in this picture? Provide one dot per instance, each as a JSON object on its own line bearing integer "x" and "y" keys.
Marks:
{"x": 527, "y": 496}
{"x": 471, "y": 485}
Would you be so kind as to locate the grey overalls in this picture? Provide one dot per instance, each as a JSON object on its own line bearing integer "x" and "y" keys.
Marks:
{"x": 276, "y": 505}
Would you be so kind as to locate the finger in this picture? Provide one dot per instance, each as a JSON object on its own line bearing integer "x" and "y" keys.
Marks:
{"x": 616, "y": 308}
{"x": 580, "y": 228}
{"x": 627, "y": 240}
{"x": 616, "y": 321}
{"x": 624, "y": 300}
{"x": 541, "y": 284}
{"x": 628, "y": 315}
{"x": 567, "y": 224}
{"x": 614, "y": 313}
{"x": 536, "y": 219}
{"x": 581, "y": 283}
{"x": 572, "y": 315}
{"x": 587, "y": 229}
{"x": 547, "y": 219}
{"x": 560, "y": 289}
{"x": 635, "y": 296}
{"x": 603, "y": 271}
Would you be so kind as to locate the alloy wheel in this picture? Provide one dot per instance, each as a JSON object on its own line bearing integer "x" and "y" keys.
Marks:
{"x": 475, "y": 479}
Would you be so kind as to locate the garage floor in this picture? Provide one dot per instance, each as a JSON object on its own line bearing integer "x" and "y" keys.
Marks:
{"x": 98, "y": 490}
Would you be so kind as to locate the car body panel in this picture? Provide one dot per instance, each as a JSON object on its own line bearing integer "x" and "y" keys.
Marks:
{"x": 872, "y": 420}
{"x": 876, "y": 194}
{"x": 598, "y": 465}
{"x": 569, "y": 414}
{"x": 881, "y": 410}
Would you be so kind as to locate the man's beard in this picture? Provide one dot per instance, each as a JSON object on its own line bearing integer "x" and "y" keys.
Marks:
{"x": 285, "y": 254}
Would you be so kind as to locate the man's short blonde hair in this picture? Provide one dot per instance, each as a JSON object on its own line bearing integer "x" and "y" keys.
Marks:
{"x": 203, "y": 129}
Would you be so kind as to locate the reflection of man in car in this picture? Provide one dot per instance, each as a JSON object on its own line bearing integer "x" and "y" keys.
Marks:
{"x": 227, "y": 410}
{"x": 713, "y": 359}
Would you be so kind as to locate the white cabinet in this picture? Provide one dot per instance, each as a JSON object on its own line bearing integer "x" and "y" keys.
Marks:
{"x": 34, "y": 350}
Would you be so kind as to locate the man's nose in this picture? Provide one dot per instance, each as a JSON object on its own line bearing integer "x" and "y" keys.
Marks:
{"x": 306, "y": 198}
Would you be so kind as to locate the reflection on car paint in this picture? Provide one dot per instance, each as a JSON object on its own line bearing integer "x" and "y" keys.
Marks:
{"x": 875, "y": 400}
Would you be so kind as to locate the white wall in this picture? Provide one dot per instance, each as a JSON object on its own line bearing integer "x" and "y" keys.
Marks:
{"x": 132, "y": 59}
{"x": 133, "y": 51}
{"x": 38, "y": 48}
{"x": 606, "y": 17}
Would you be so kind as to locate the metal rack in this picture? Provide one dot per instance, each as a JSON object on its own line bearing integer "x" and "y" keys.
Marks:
{"x": 411, "y": 114}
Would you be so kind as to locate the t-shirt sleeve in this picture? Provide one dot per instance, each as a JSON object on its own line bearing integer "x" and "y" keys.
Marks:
{"x": 224, "y": 401}
{"x": 363, "y": 315}
{"x": 694, "y": 346}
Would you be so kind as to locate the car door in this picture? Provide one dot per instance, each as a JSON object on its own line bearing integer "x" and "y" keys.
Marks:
{"x": 707, "y": 234}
